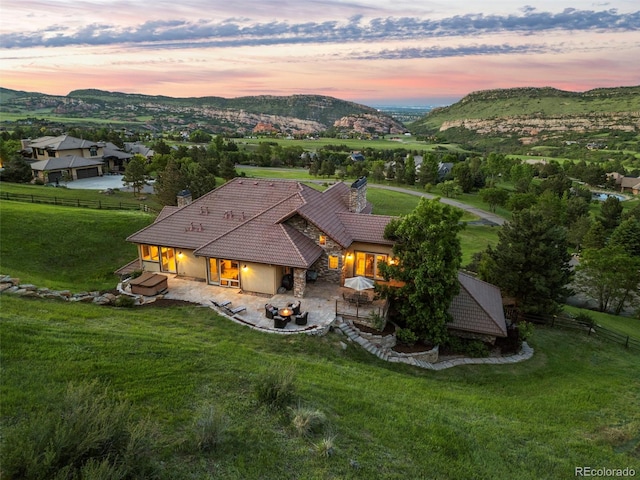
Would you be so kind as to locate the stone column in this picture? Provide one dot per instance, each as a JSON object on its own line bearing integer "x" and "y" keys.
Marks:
{"x": 299, "y": 282}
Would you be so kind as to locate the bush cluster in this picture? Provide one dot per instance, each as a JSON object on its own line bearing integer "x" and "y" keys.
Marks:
{"x": 277, "y": 389}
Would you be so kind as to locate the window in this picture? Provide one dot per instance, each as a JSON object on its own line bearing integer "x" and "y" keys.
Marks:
{"x": 168, "y": 256}
{"x": 150, "y": 252}
{"x": 367, "y": 264}
{"x": 333, "y": 262}
{"x": 322, "y": 240}
{"x": 93, "y": 151}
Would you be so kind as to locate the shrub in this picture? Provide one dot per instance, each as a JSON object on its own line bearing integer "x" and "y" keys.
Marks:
{"x": 125, "y": 301}
{"x": 85, "y": 435}
{"x": 377, "y": 321}
{"x": 406, "y": 336}
{"x": 277, "y": 389}
{"x": 585, "y": 319}
{"x": 209, "y": 426}
{"x": 476, "y": 349}
{"x": 306, "y": 420}
{"x": 525, "y": 329}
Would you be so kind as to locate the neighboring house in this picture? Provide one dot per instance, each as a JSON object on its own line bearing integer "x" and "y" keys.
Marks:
{"x": 444, "y": 169}
{"x": 54, "y": 158}
{"x": 68, "y": 167}
{"x": 357, "y": 157}
{"x": 625, "y": 184}
{"x": 44, "y": 148}
{"x": 477, "y": 310}
{"x": 260, "y": 235}
{"x": 137, "y": 148}
{"x": 115, "y": 158}
{"x": 630, "y": 185}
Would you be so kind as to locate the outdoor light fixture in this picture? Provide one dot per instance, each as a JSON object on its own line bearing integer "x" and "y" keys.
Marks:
{"x": 179, "y": 254}
{"x": 244, "y": 267}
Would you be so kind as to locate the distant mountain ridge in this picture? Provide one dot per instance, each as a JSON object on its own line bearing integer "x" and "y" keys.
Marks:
{"x": 533, "y": 112}
{"x": 294, "y": 114}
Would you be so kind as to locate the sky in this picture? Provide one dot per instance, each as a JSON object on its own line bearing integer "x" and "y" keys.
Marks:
{"x": 376, "y": 52}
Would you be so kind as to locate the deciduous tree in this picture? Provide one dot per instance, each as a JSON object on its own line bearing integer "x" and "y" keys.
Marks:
{"x": 428, "y": 251}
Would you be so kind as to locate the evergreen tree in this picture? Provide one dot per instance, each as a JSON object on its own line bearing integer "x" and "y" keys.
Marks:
{"x": 610, "y": 213}
{"x": 135, "y": 174}
{"x": 531, "y": 262}
{"x": 169, "y": 183}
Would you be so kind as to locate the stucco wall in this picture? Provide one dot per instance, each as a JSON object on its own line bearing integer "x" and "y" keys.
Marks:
{"x": 258, "y": 277}
{"x": 189, "y": 265}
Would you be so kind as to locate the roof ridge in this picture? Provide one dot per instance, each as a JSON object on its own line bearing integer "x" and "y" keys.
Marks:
{"x": 285, "y": 229}
{"x": 247, "y": 220}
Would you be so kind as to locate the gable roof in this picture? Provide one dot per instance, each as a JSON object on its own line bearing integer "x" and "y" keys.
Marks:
{"x": 244, "y": 219}
{"x": 477, "y": 308}
{"x": 65, "y": 162}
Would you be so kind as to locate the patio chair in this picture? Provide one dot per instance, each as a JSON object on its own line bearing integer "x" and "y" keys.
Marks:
{"x": 279, "y": 322}
{"x": 237, "y": 310}
{"x": 296, "y": 308}
{"x": 270, "y": 310}
{"x": 301, "y": 319}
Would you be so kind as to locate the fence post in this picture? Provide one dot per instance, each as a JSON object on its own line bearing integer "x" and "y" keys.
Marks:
{"x": 99, "y": 204}
{"x": 553, "y": 321}
{"x": 78, "y": 202}
{"x": 55, "y": 200}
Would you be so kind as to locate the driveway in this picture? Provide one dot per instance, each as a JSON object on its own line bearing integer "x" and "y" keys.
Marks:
{"x": 103, "y": 183}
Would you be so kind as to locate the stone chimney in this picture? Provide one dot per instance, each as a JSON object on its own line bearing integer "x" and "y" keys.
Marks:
{"x": 358, "y": 195}
{"x": 184, "y": 198}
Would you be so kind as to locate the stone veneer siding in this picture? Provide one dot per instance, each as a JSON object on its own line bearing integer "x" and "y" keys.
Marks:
{"x": 321, "y": 265}
{"x": 299, "y": 282}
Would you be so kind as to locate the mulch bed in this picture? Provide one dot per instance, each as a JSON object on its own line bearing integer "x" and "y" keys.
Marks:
{"x": 388, "y": 329}
{"x": 416, "y": 348}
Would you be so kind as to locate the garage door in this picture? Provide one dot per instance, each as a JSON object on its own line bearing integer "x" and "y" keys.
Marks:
{"x": 54, "y": 176}
{"x": 87, "y": 172}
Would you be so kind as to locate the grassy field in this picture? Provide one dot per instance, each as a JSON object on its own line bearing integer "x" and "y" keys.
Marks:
{"x": 623, "y": 325}
{"x": 537, "y": 419}
{"x": 575, "y": 403}
{"x": 64, "y": 247}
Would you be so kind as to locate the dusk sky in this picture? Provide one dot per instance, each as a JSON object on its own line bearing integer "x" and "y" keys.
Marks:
{"x": 373, "y": 52}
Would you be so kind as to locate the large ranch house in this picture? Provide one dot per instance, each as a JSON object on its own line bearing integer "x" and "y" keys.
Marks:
{"x": 261, "y": 235}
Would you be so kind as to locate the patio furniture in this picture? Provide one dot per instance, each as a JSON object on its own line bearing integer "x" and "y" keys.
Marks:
{"x": 221, "y": 304}
{"x": 279, "y": 322}
{"x": 296, "y": 308}
{"x": 301, "y": 319}
{"x": 270, "y": 310}
{"x": 235, "y": 310}
{"x": 286, "y": 313}
{"x": 311, "y": 276}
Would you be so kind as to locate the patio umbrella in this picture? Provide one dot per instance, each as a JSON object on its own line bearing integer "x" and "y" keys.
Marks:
{"x": 359, "y": 283}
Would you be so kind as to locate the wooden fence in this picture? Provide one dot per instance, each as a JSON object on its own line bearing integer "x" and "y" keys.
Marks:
{"x": 589, "y": 328}
{"x": 76, "y": 202}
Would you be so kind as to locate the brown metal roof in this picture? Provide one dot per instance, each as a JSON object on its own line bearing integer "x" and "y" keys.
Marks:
{"x": 243, "y": 219}
{"x": 478, "y": 308}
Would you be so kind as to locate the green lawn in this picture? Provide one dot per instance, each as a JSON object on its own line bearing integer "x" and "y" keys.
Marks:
{"x": 476, "y": 238}
{"x": 64, "y": 247}
{"x": 623, "y": 325}
{"x": 537, "y": 419}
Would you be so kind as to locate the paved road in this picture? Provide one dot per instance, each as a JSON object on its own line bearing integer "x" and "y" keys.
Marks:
{"x": 115, "y": 181}
{"x": 490, "y": 218}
